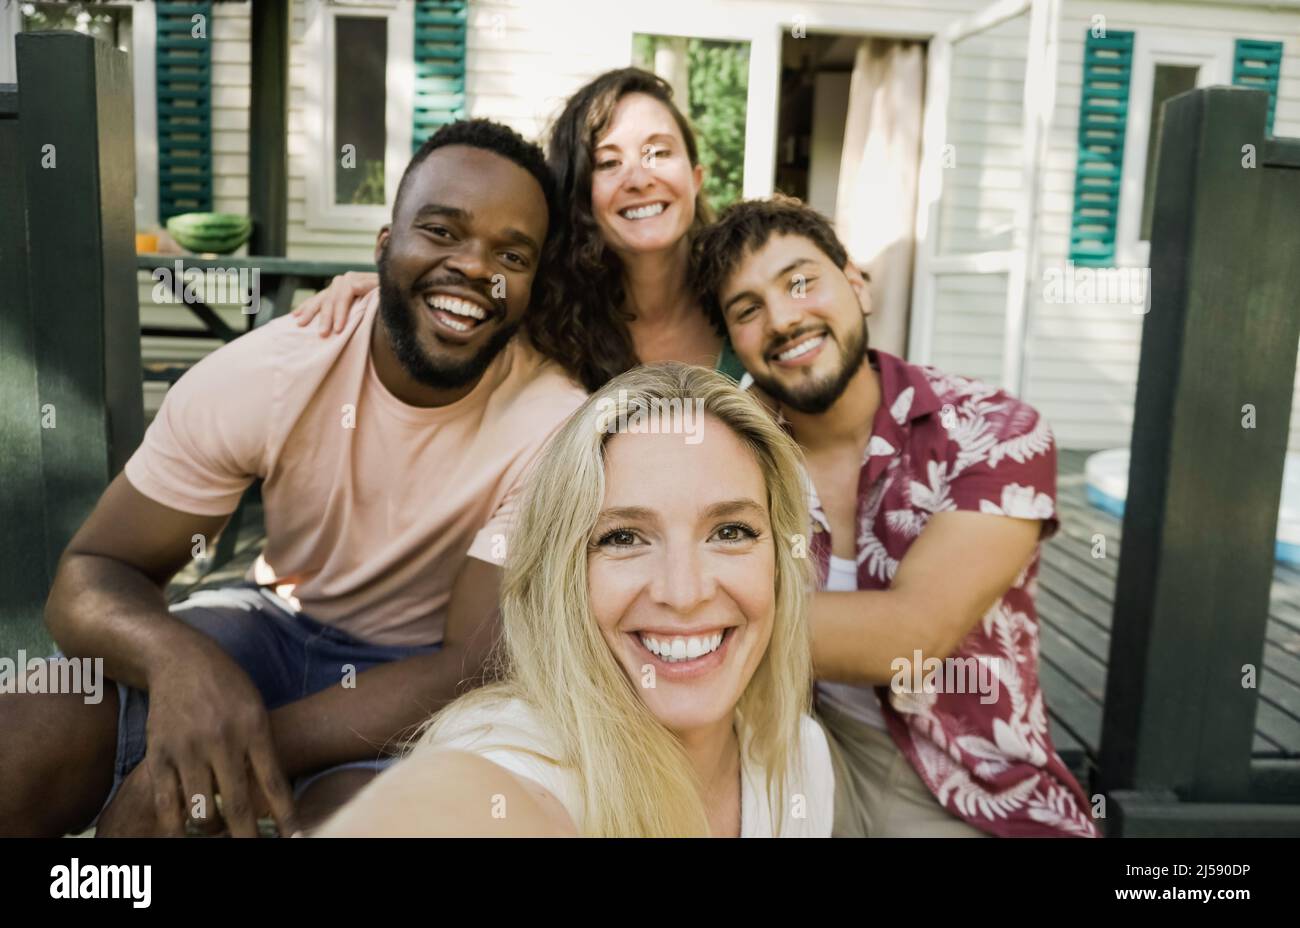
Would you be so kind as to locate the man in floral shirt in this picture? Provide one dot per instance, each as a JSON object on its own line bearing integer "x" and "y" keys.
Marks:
{"x": 930, "y": 495}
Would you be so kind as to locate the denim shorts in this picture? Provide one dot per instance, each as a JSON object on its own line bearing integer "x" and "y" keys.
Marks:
{"x": 286, "y": 654}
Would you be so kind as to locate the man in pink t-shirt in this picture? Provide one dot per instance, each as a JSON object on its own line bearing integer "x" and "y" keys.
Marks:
{"x": 391, "y": 456}
{"x": 930, "y": 496}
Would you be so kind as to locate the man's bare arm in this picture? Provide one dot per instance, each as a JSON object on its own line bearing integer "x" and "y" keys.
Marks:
{"x": 339, "y": 725}
{"x": 108, "y": 598}
{"x": 957, "y": 568}
{"x": 207, "y": 731}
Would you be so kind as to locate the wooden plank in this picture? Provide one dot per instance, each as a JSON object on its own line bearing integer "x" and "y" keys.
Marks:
{"x": 1075, "y": 589}
{"x": 268, "y": 124}
{"x": 24, "y": 577}
{"x": 1099, "y": 575}
{"x": 1073, "y": 709}
{"x": 1139, "y": 815}
{"x": 1192, "y": 593}
{"x": 1080, "y": 519}
{"x": 1068, "y": 639}
{"x": 1066, "y": 622}
{"x": 76, "y": 109}
{"x": 267, "y": 264}
{"x": 1280, "y": 662}
{"x": 1275, "y": 780}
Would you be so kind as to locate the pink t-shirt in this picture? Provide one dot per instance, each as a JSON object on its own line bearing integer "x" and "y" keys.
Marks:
{"x": 371, "y": 505}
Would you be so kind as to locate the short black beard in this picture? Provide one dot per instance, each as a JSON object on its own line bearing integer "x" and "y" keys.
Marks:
{"x": 396, "y": 312}
{"x": 819, "y": 397}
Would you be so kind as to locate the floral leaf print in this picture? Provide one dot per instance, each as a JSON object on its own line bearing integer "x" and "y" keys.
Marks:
{"x": 1023, "y": 447}
{"x": 871, "y": 551}
{"x": 1018, "y": 742}
{"x": 1021, "y": 503}
{"x": 971, "y": 799}
{"x": 1058, "y": 809}
{"x": 902, "y": 405}
{"x": 879, "y": 447}
{"x": 907, "y": 522}
{"x": 933, "y": 496}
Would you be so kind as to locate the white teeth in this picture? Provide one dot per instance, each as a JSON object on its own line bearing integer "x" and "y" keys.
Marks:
{"x": 800, "y": 349}
{"x": 682, "y": 649}
{"x": 459, "y": 307}
{"x": 643, "y": 212}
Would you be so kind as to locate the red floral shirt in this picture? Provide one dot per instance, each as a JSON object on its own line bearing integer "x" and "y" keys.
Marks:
{"x": 941, "y": 442}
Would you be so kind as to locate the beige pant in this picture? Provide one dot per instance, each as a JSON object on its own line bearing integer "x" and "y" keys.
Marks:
{"x": 877, "y": 793}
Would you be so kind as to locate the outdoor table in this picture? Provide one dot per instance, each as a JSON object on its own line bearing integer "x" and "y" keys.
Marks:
{"x": 278, "y": 278}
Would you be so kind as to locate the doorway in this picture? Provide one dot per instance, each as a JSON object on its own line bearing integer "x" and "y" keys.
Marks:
{"x": 849, "y": 134}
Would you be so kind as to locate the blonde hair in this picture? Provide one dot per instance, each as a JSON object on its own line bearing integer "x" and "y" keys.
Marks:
{"x": 635, "y": 777}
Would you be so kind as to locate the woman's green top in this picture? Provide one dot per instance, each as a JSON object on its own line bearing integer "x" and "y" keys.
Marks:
{"x": 728, "y": 363}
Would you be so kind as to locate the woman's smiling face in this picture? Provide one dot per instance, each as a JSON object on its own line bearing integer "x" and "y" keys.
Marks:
{"x": 643, "y": 185}
{"x": 682, "y": 571}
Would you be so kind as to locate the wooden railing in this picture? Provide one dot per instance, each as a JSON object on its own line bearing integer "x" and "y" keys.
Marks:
{"x": 1210, "y": 432}
{"x": 70, "y": 389}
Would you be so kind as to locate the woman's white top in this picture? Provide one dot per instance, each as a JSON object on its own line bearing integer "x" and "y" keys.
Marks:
{"x": 509, "y": 734}
{"x": 857, "y": 702}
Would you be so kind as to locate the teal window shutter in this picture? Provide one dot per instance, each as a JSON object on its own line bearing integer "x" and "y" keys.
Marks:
{"x": 184, "y": 91}
{"x": 1103, "y": 119}
{"x": 1258, "y": 65}
{"x": 439, "y": 97}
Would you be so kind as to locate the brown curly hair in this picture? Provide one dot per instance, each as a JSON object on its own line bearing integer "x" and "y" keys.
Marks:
{"x": 577, "y": 317}
{"x": 746, "y": 227}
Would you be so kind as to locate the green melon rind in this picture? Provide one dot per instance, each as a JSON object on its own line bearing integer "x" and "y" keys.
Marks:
{"x": 216, "y": 232}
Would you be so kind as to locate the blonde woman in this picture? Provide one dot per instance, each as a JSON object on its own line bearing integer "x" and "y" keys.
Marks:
{"x": 655, "y": 666}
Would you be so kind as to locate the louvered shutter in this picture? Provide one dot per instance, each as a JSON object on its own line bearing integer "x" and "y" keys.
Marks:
{"x": 1258, "y": 64}
{"x": 1103, "y": 120}
{"x": 184, "y": 91}
{"x": 440, "y": 27}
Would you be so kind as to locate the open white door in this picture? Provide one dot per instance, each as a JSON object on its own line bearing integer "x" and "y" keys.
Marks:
{"x": 990, "y": 91}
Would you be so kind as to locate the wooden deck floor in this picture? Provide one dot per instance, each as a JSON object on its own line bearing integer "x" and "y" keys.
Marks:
{"x": 1075, "y": 603}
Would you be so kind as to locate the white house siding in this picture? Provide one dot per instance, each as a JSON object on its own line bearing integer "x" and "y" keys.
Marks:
{"x": 1082, "y": 360}
{"x": 344, "y": 244}
{"x": 982, "y": 186}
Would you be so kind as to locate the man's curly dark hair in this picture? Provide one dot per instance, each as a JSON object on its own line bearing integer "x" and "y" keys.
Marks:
{"x": 746, "y": 227}
{"x": 494, "y": 137}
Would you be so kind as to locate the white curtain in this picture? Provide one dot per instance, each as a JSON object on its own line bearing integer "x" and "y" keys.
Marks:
{"x": 876, "y": 201}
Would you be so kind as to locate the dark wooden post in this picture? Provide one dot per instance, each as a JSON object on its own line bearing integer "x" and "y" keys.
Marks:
{"x": 76, "y": 157}
{"x": 24, "y": 575}
{"x": 268, "y": 152}
{"x": 1210, "y": 432}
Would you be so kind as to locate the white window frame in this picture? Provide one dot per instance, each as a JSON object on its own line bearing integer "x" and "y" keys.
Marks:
{"x": 764, "y": 29}
{"x": 1020, "y": 260}
{"x": 321, "y": 212}
{"x": 1213, "y": 56}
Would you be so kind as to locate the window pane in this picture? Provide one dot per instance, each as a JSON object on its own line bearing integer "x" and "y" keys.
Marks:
{"x": 1170, "y": 80}
{"x": 710, "y": 85}
{"x": 360, "y": 66}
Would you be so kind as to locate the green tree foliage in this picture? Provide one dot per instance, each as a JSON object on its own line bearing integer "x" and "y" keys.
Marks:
{"x": 718, "y": 78}
{"x": 719, "y": 86}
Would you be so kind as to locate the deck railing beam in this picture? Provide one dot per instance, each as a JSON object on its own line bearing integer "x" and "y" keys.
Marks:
{"x": 1210, "y": 431}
